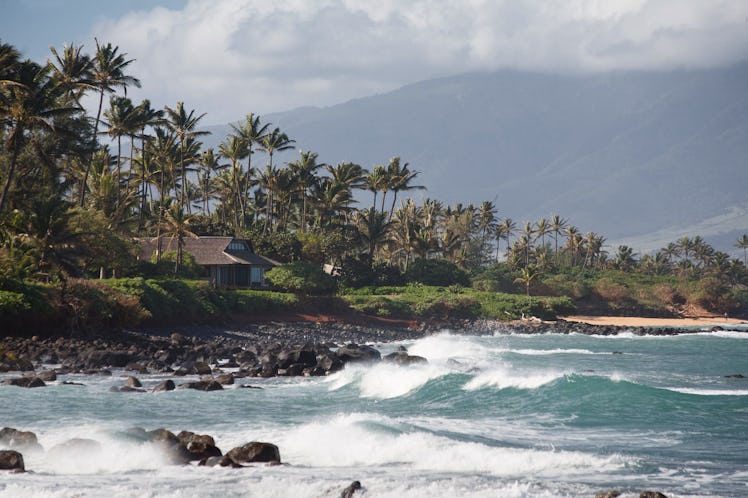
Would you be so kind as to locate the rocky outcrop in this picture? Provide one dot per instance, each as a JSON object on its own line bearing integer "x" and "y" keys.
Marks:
{"x": 651, "y": 494}
{"x": 254, "y": 452}
{"x": 354, "y": 353}
{"x": 24, "y": 382}
{"x": 167, "y": 385}
{"x": 202, "y": 385}
{"x": 352, "y": 488}
{"x": 14, "y": 439}
{"x": 11, "y": 460}
{"x": 198, "y": 446}
{"x": 404, "y": 359}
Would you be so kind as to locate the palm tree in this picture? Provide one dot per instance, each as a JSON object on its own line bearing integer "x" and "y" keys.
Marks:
{"x": 374, "y": 181}
{"x": 742, "y": 243}
{"x": 208, "y": 163}
{"x": 122, "y": 120}
{"x": 252, "y": 131}
{"x": 176, "y": 225}
{"x": 145, "y": 116}
{"x": 303, "y": 171}
{"x": 30, "y": 101}
{"x": 486, "y": 219}
{"x": 107, "y": 73}
{"x": 400, "y": 179}
{"x": 527, "y": 275}
{"x": 624, "y": 259}
{"x": 373, "y": 229}
{"x": 557, "y": 226}
{"x": 72, "y": 70}
{"x": 542, "y": 227}
{"x": 275, "y": 141}
{"x": 184, "y": 125}
{"x": 234, "y": 149}
{"x": 349, "y": 174}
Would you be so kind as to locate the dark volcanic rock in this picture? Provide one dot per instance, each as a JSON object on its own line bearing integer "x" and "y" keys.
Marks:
{"x": 608, "y": 494}
{"x": 47, "y": 375}
{"x": 20, "y": 440}
{"x": 202, "y": 385}
{"x": 199, "y": 446}
{"x": 11, "y": 460}
{"x": 352, "y": 488}
{"x": 24, "y": 382}
{"x": 651, "y": 494}
{"x": 132, "y": 382}
{"x": 255, "y": 452}
{"x": 355, "y": 353}
{"x": 404, "y": 359}
{"x": 167, "y": 385}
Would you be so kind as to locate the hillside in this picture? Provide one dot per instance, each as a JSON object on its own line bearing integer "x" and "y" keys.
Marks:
{"x": 641, "y": 157}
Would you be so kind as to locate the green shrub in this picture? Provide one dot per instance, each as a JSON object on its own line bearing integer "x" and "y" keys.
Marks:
{"x": 301, "y": 277}
{"x": 436, "y": 272}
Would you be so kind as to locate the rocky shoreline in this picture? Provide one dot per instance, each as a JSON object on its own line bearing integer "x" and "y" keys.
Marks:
{"x": 256, "y": 350}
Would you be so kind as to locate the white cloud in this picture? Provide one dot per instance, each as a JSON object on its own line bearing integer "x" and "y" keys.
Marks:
{"x": 231, "y": 57}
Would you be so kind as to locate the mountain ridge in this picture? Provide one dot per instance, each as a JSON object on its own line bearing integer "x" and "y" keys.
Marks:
{"x": 625, "y": 154}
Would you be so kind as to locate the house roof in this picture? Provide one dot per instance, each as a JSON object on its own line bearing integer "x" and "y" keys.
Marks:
{"x": 209, "y": 251}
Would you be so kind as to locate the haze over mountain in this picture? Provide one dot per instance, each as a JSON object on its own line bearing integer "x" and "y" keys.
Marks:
{"x": 640, "y": 157}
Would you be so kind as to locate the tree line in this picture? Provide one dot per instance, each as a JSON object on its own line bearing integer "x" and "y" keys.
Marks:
{"x": 78, "y": 188}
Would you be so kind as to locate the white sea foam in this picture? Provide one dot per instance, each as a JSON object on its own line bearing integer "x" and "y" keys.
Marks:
{"x": 385, "y": 380}
{"x": 441, "y": 348}
{"x": 363, "y": 440}
{"x": 503, "y": 378}
{"x": 726, "y": 334}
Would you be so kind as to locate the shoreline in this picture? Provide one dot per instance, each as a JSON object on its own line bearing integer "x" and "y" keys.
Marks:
{"x": 639, "y": 321}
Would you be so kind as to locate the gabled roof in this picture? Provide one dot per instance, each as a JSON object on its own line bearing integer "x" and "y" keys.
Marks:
{"x": 210, "y": 251}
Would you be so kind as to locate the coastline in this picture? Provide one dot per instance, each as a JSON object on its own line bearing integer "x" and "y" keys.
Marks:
{"x": 640, "y": 321}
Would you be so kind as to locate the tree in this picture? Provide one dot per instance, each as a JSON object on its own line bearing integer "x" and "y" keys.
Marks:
{"x": 183, "y": 124}
{"x": 527, "y": 275}
{"x": 301, "y": 277}
{"x": 374, "y": 181}
{"x": 253, "y": 132}
{"x": 177, "y": 227}
{"x": 275, "y": 141}
{"x": 399, "y": 179}
{"x": 122, "y": 120}
{"x": 303, "y": 171}
{"x": 742, "y": 243}
{"x": 29, "y": 102}
{"x": 107, "y": 73}
{"x": 234, "y": 149}
{"x": 72, "y": 70}
{"x": 373, "y": 229}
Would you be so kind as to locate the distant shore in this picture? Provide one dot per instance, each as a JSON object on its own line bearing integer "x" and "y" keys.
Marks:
{"x": 638, "y": 321}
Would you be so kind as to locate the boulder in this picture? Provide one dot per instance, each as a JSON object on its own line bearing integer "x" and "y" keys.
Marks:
{"x": 255, "y": 452}
{"x": 293, "y": 370}
{"x": 24, "y": 382}
{"x": 352, "y": 488}
{"x": 306, "y": 357}
{"x": 608, "y": 494}
{"x": 202, "y": 385}
{"x": 225, "y": 380}
{"x": 20, "y": 440}
{"x": 330, "y": 362}
{"x": 199, "y": 446}
{"x": 167, "y": 385}
{"x": 132, "y": 382}
{"x": 358, "y": 353}
{"x": 47, "y": 375}
{"x": 11, "y": 460}
{"x": 651, "y": 494}
{"x": 404, "y": 359}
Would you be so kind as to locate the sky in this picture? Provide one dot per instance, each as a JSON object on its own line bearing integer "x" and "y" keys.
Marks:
{"x": 227, "y": 58}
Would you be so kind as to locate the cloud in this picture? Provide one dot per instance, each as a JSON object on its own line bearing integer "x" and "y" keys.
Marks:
{"x": 235, "y": 56}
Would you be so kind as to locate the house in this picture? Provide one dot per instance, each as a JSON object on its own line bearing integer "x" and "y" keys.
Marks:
{"x": 228, "y": 261}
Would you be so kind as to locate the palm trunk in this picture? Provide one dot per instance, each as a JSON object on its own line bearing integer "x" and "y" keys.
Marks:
{"x": 84, "y": 181}
{"x": 9, "y": 180}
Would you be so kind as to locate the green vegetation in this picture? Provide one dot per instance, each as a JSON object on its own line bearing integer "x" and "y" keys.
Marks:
{"x": 71, "y": 209}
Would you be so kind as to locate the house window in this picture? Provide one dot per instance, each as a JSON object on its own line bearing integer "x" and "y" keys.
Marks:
{"x": 237, "y": 245}
{"x": 258, "y": 275}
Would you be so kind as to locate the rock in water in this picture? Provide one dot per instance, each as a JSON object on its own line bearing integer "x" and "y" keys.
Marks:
{"x": 167, "y": 385}
{"x": 255, "y": 452}
{"x": 132, "y": 382}
{"x": 651, "y": 494}
{"x": 21, "y": 440}
{"x": 354, "y": 353}
{"x": 11, "y": 460}
{"x": 608, "y": 494}
{"x": 352, "y": 488}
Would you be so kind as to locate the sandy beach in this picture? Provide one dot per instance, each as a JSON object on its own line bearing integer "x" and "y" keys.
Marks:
{"x": 635, "y": 321}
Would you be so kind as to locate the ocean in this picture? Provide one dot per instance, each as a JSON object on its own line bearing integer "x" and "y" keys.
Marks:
{"x": 502, "y": 415}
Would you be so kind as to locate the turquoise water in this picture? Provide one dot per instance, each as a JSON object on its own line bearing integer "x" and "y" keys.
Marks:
{"x": 504, "y": 415}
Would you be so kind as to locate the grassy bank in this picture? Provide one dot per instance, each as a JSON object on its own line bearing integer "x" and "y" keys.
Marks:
{"x": 90, "y": 306}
